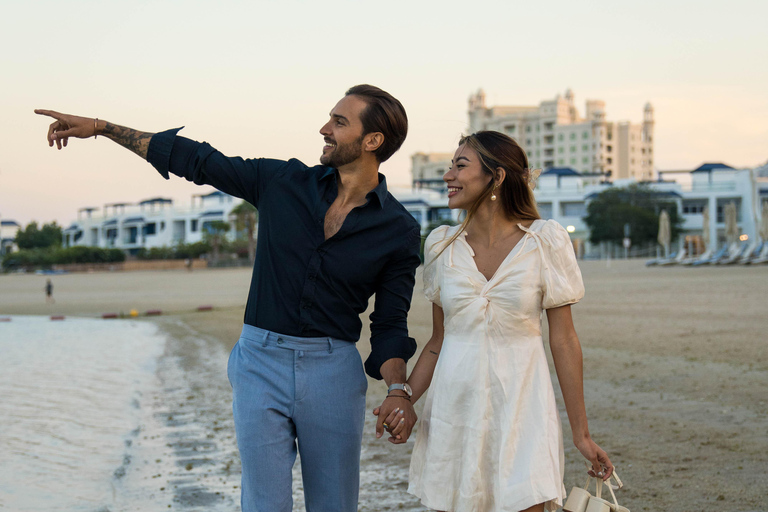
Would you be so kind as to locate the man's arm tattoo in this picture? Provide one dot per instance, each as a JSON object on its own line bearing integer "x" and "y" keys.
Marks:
{"x": 136, "y": 141}
{"x": 432, "y": 351}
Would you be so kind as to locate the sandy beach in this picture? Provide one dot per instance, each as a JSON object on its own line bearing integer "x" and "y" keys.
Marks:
{"x": 675, "y": 364}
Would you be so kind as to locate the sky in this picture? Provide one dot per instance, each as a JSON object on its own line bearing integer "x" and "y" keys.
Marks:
{"x": 258, "y": 78}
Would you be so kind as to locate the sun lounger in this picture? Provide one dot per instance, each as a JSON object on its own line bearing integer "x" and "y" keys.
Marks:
{"x": 706, "y": 255}
{"x": 762, "y": 257}
{"x": 735, "y": 252}
{"x": 751, "y": 253}
{"x": 673, "y": 259}
{"x": 712, "y": 259}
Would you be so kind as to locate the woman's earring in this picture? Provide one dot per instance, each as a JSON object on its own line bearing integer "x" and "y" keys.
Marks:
{"x": 493, "y": 194}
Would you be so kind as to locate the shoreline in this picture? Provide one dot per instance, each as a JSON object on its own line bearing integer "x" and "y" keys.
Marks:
{"x": 675, "y": 367}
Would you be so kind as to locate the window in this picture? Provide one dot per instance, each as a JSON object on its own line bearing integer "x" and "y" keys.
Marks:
{"x": 560, "y": 161}
{"x": 608, "y": 148}
{"x": 609, "y": 160}
{"x": 574, "y": 209}
{"x": 528, "y": 129}
{"x": 585, "y": 147}
{"x": 584, "y": 135}
{"x": 560, "y": 136}
{"x": 527, "y": 142}
{"x": 585, "y": 160}
{"x": 193, "y": 227}
{"x": 573, "y": 161}
{"x": 573, "y": 136}
{"x": 561, "y": 149}
{"x": 510, "y": 128}
{"x": 162, "y": 226}
{"x": 545, "y": 210}
{"x": 573, "y": 149}
{"x": 693, "y": 207}
{"x": 150, "y": 229}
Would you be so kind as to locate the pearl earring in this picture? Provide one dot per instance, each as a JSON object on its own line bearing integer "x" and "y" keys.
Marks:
{"x": 493, "y": 194}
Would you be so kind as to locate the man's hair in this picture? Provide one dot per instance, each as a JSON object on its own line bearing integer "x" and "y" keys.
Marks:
{"x": 383, "y": 114}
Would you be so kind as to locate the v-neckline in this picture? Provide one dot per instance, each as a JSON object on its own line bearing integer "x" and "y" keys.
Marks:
{"x": 511, "y": 251}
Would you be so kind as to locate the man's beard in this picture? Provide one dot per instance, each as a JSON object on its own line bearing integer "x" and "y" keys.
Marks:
{"x": 343, "y": 154}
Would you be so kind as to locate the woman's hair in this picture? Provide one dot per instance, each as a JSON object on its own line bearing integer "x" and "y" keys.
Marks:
{"x": 515, "y": 194}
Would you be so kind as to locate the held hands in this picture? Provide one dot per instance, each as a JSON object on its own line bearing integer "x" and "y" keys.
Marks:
{"x": 67, "y": 126}
{"x": 399, "y": 417}
{"x": 601, "y": 464}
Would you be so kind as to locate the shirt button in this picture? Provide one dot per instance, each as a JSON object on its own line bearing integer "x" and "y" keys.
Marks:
{"x": 280, "y": 341}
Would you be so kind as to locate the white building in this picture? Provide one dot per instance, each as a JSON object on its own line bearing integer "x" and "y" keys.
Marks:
{"x": 427, "y": 170}
{"x": 553, "y": 134}
{"x": 428, "y": 207}
{"x": 563, "y": 194}
{"x": 8, "y": 230}
{"x": 152, "y": 223}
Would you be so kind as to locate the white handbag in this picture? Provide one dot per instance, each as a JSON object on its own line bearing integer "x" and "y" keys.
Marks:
{"x": 580, "y": 500}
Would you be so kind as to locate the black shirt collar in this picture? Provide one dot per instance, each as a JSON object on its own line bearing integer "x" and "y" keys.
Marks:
{"x": 380, "y": 192}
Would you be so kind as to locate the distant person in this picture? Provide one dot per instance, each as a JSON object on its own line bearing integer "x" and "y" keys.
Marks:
{"x": 331, "y": 236}
{"x": 49, "y": 292}
{"x": 490, "y": 438}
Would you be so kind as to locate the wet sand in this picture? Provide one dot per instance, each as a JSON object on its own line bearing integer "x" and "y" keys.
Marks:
{"x": 675, "y": 363}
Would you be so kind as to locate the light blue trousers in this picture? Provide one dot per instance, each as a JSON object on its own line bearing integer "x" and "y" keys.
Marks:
{"x": 307, "y": 391}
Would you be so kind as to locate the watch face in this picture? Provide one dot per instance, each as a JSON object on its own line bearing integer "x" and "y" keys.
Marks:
{"x": 407, "y": 389}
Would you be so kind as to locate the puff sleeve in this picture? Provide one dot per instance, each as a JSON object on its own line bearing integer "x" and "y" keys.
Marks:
{"x": 561, "y": 277}
{"x": 431, "y": 275}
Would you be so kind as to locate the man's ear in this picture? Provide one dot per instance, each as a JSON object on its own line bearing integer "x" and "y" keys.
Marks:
{"x": 373, "y": 141}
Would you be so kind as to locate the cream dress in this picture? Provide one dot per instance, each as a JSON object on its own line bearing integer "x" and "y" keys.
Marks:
{"x": 489, "y": 438}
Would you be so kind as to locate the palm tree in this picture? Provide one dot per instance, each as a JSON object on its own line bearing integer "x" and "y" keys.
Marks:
{"x": 215, "y": 231}
{"x": 245, "y": 216}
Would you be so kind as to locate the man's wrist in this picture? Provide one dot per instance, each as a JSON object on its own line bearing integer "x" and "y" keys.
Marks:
{"x": 393, "y": 395}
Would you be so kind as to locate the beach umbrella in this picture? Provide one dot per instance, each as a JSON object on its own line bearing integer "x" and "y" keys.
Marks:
{"x": 665, "y": 234}
{"x": 705, "y": 227}
{"x": 764, "y": 223}
{"x": 731, "y": 228}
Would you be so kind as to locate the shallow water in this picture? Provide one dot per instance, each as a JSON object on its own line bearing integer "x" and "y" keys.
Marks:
{"x": 70, "y": 400}
{"x": 118, "y": 415}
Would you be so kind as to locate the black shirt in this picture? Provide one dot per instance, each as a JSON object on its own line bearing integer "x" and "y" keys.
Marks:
{"x": 302, "y": 284}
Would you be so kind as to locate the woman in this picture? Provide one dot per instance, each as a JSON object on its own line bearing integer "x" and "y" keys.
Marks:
{"x": 490, "y": 437}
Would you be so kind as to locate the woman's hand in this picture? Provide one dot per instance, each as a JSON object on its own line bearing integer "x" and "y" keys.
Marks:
{"x": 601, "y": 464}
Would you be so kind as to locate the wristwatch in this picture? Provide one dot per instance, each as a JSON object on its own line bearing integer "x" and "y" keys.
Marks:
{"x": 404, "y": 387}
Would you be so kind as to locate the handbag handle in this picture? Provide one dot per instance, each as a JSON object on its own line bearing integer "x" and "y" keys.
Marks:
{"x": 599, "y": 484}
{"x": 608, "y": 484}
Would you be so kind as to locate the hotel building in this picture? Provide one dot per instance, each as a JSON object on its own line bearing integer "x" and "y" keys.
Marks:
{"x": 8, "y": 230}
{"x": 555, "y": 135}
{"x": 155, "y": 222}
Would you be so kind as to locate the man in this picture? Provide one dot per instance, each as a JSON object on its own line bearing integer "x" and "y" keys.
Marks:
{"x": 330, "y": 237}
